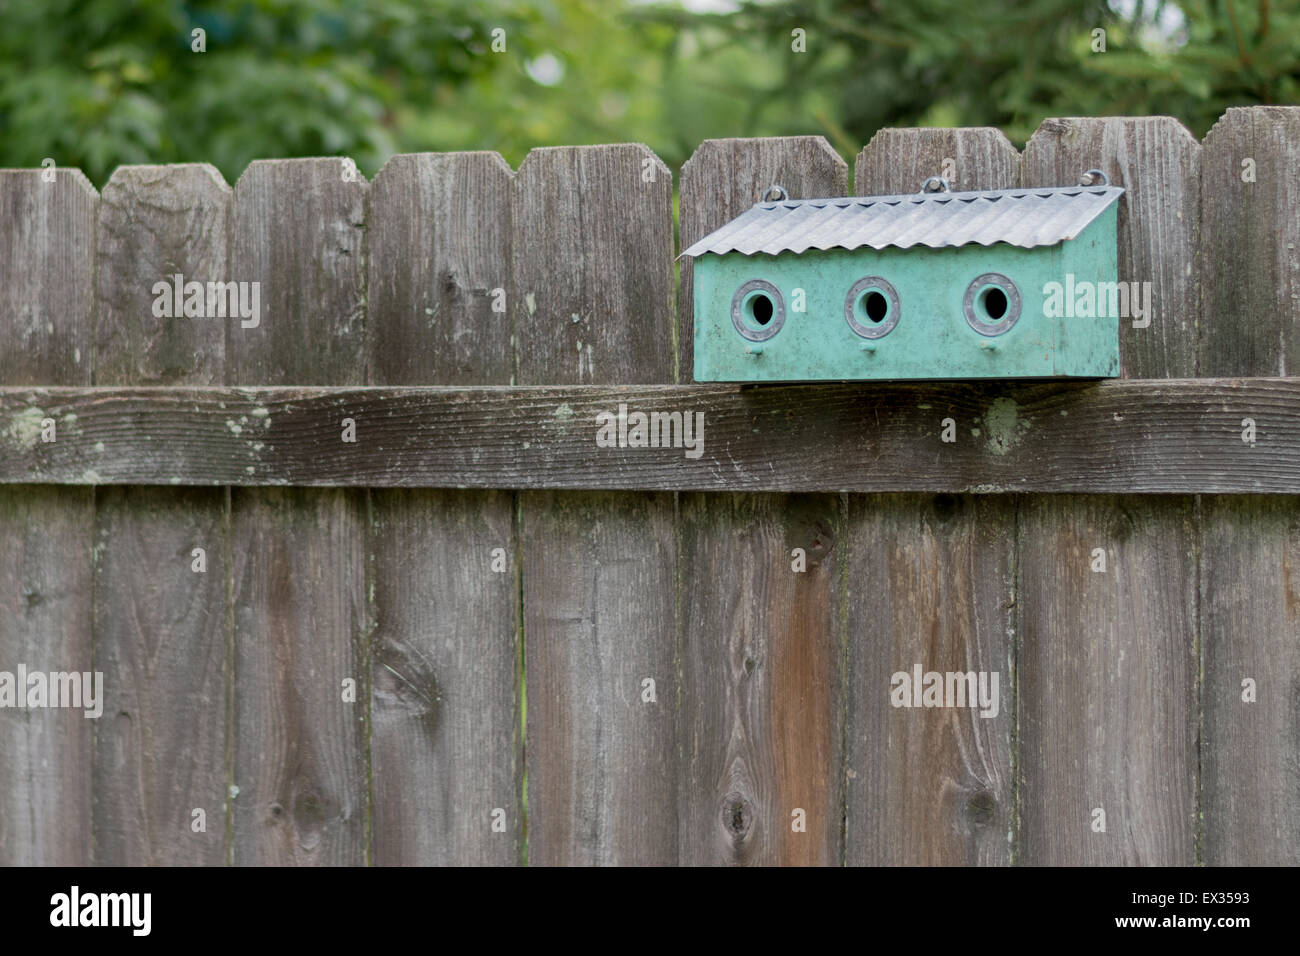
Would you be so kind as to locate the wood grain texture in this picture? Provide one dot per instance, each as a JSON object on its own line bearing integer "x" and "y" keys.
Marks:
{"x": 724, "y": 178}
{"x": 161, "y": 629}
{"x": 1108, "y": 677}
{"x": 1250, "y": 324}
{"x": 772, "y": 691}
{"x": 446, "y": 737}
{"x": 297, "y": 231}
{"x": 47, "y": 263}
{"x": 594, "y": 299}
{"x": 161, "y": 639}
{"x": 1250, "y": 610}
{"x": 156, "y": 222}
{"x": 1250, "y": 774}
{"x": 762, "y": 698}
{"x": 898, "y": 161}
{"x": 929, "y": 583}
{"x": 1135, "y": 643}
{"x": 438, "y": 240}
{"x": 47, "y": 255}
{"x": 1158, "y": 163}
{"x": 762, "y": 688}
{"x": 599, "y": 572}
{"x": 1174, "y": 436}
{"x": 45, "y": 618}
{"x": 299, "y": 570}
{"x": 300, "y": 620}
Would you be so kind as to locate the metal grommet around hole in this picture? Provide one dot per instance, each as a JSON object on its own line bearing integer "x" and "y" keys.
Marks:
{"x": 872, "y": 308}
{"x": 991, "y": 304}
{"x": 757, "y": 310}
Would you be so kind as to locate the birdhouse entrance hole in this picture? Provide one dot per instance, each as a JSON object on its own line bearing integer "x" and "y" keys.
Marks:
{"x": 875, "y": 305}
{"x": 991, "y": 304}
{"x": 757, "y": 310}
{"x": 871, "y": 307}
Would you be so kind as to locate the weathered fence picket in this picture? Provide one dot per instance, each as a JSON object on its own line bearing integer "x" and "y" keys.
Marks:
{"x": 446, "y": 735}
{"x": 1088, "y": 635}
{"x": 47, "y": 262}
{"x": 298, "y": 587}
{"x": 593, "y": 301}
{"x": 1096, "y": 736}
{"x": 488, "y": 640}
{"x": 762, "y": 659}
{"x": 762, "y": 680}
{"x": 161, "y": 555}
{"x": 45, "y": 818}
{"x": 1250, "y": 606}
{"x": 931, "y": 584}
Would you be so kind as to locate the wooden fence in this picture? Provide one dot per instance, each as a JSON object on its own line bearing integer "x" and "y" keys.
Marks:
{"x": 499, "y": 590}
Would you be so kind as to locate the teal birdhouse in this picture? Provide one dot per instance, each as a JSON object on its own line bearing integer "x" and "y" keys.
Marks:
{"x": 1011, "y": 283}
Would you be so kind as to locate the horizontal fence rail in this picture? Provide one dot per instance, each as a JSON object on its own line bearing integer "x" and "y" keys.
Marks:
{"x": 1170, "y": 436}
{"x": 375, "y": 571}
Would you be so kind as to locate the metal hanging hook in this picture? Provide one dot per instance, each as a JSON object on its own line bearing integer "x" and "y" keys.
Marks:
{"x": 1090, "y": 177}
{"x": 781, "y": 194}
{"x": 936, "y": 184}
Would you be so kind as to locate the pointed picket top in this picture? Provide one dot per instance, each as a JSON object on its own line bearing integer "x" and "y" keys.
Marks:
{"x": 47, "y": 253}
{"x": 346, "y": 168}
{"x": 438, "y": 270}
{"x": 592, "y": 235}
{"x": 899, "y": 160}
{"x": 157, "y": 223}
{"x": 1250, "y": 190}
{"x": 297, "y": 231}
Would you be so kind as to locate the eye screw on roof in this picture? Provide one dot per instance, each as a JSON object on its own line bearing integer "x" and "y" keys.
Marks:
{"x": 781, "y": 194}
{"x": 936, "y": 184}
{"x": 1094, "y": 177}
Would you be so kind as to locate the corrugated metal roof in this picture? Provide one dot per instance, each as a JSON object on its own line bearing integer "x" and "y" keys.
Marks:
{"x": 1019, "y": 217}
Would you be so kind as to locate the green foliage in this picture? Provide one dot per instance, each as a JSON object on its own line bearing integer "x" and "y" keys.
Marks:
{"x": 1008, "y": 63}
{"x": 97, "y": 83}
